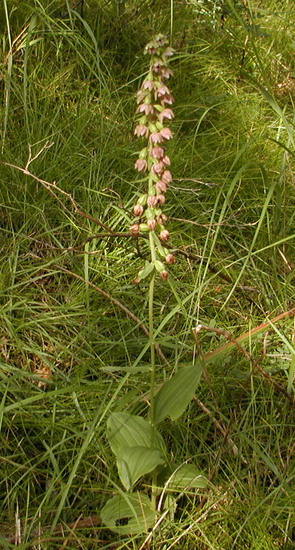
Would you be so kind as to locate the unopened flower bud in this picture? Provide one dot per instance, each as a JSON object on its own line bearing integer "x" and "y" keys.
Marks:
{"x": 151, "y": 224}
{"x": 140, "y": 96}
{"x": 170, "y": 259}
{"x": 165, "y": 133}
{"x": 161, "y": 199}
{"x": 166, "y": 160}
{"x": 166, "y": 176}
{"x": 152, "y": 200}
{"x": 164, "y": 235}
{"x": 138, "y": 210}
{"x": 158, "y": 168}
{"x": 134, "y": 229}
{"x": 157, "y": 137}
{"x": 161, "y": 187}
{"x": 157, "y": 152}
{"x": 140, "y": 165}
{"x": 164, "y": 275}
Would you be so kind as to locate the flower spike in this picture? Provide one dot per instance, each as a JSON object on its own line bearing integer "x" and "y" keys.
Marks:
{"x": 153, "y": 107}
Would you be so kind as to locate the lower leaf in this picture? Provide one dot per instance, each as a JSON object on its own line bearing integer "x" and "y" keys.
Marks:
{"x": 128, "y": 514}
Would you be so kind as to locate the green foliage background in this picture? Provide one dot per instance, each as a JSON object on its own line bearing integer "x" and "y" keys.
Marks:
{"x": 69, "y": 72}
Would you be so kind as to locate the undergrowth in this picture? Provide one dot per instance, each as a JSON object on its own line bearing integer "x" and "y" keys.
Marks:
{"x": 71, "y": 317}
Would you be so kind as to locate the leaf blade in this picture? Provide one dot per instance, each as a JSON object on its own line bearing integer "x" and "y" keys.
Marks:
{"x": 135, "y": 508}
{"x": 135, "y": 462}
{"x": 175, "y": 395}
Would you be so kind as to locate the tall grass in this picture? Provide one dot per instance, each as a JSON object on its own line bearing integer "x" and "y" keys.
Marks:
{"x": 69, "y": 80}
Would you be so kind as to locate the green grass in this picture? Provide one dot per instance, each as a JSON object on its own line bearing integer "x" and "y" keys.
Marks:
{"x": 70, "y": 80}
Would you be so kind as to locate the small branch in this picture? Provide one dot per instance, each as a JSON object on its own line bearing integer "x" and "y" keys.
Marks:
{"x": 46, "y": 146}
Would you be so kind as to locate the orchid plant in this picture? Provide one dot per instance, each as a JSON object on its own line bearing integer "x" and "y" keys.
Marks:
{"x": 136, "y": 441}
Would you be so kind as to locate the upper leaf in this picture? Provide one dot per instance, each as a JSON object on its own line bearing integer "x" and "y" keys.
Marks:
{"x": 129, "y": 430}
{"x": 175, "y": 395}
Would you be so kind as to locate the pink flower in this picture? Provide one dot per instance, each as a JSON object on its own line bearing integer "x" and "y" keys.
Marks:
{"x": 162, "y": 91}
{"x": 158, "y": 168}
{"x": 168, "y": 98}
{"x": 161, "y": 186}
{"x": 166, "y": 176}
{"x": 161, "y": 40}
{"x": 148, "y": 85}
{"x": 157, "y": 137}
{"x": 166, "y": 114}
{"x": 152, "y": 201}
{"x": 151, "y": 224}
{"x": 157, "y": 67}
{"x": 164, "y": 235}
{"x": 166, "y": 73}
{"x": 151, "y": 48}
{"x": 145, "y": 108}
{"x": 138, "y": 210}
{"x": 141, "y": 130}
{"x": 168, "y": 52}
{"x": 140, "y": 165}
{"x": 157, "y": 152}
{"x": 165, "y": 133}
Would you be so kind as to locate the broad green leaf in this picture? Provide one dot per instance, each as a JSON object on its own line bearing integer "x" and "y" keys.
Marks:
{"x": 134, "y": 511}
{"x": 187, "y": 476}
{"x": 175, "y": 395}
{"x": 128, "y": 430}
{"x": 135, "y": 462}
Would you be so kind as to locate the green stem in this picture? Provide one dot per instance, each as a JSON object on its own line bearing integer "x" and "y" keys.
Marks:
{"x": 152, "y": 341}
{"x": 152, "y": 364}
